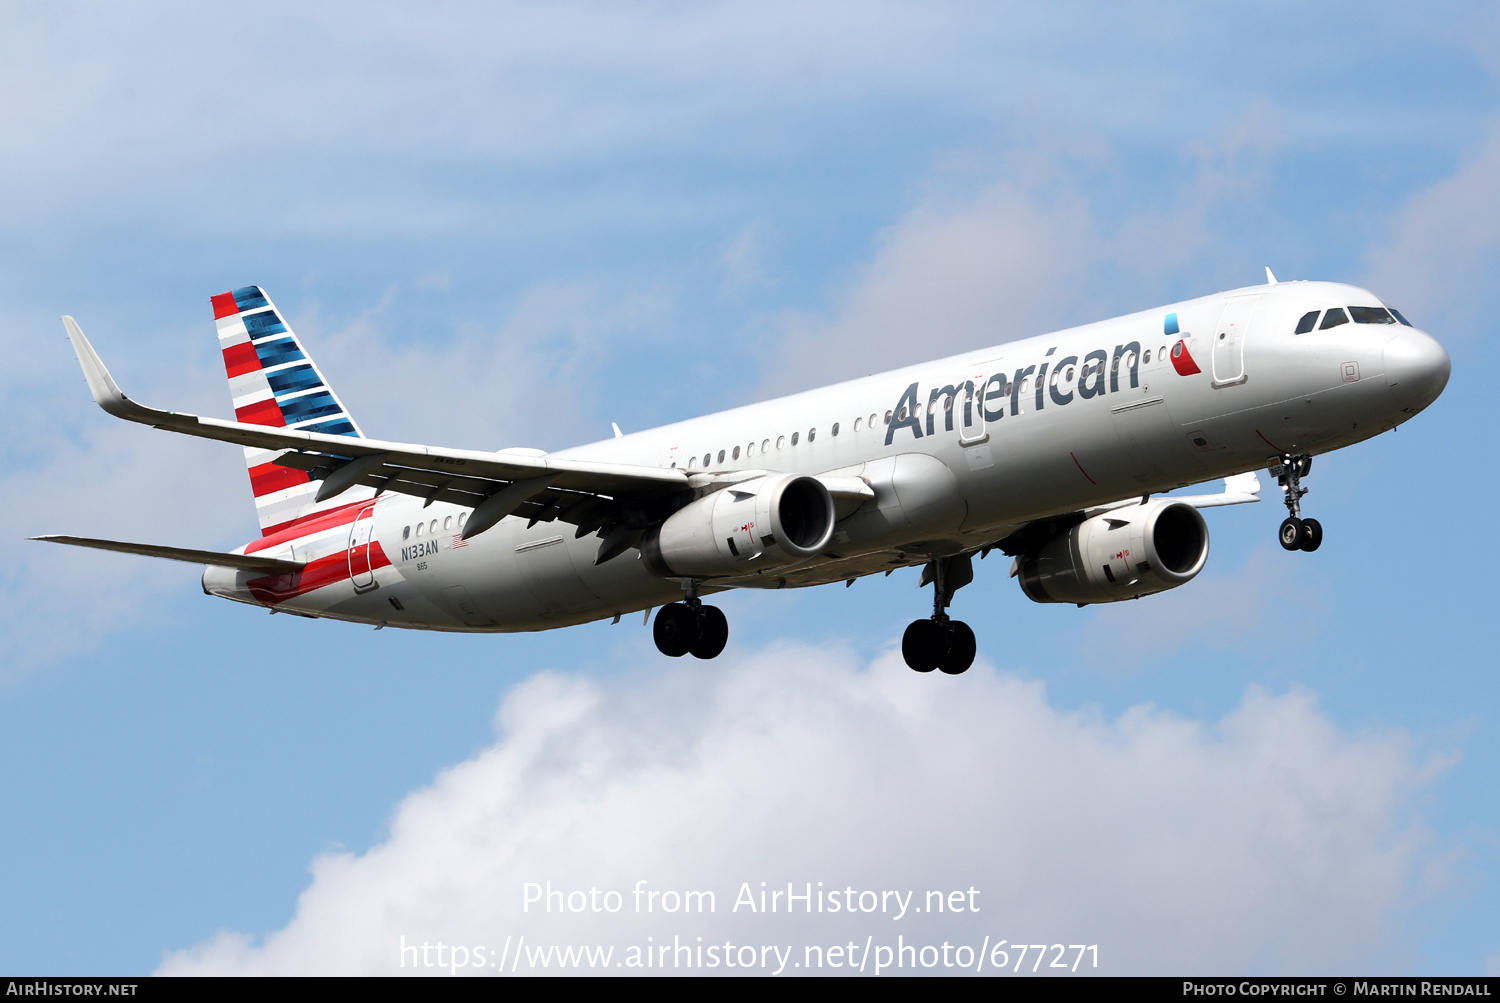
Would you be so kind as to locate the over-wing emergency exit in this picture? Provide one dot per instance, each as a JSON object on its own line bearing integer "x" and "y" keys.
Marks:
{"x": 1047, "y": 449}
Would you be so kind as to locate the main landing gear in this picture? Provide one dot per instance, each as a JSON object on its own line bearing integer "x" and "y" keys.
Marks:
{"x": 1296, "y": 533}
{"x": 689, "y": 627}
{"x": 941, "y": 643}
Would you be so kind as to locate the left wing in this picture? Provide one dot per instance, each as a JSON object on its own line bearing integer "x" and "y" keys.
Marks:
{"x": 617, "y": 497}
{"x": 247, "y": 562}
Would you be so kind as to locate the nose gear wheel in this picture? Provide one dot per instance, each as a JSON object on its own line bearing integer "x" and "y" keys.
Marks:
{"x": 1296, "y": 533}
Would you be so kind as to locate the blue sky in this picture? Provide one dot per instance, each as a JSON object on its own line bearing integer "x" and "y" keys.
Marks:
{"x": 512, "y": 225}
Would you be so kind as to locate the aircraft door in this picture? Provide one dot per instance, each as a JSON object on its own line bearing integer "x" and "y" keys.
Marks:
{"x": 971, "y": 427}
{"x": 1229, "y": 340}
{"x": 360, "y": 569}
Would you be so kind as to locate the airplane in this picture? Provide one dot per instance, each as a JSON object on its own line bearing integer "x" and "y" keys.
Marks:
{"x": 1048, "y": 449}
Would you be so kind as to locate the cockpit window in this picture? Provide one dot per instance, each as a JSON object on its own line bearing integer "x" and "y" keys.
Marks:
{"x": 1333, "y": 318}
{"x": 1371, "y": 315}
{"x": 1308, "y": 322}
{"x": 1397, "y": 314}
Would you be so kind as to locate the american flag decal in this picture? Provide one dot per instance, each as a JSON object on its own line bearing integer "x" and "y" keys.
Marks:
{"x": 459, "y": 541}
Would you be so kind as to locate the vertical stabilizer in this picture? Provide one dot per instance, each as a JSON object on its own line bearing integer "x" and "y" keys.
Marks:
{"x": 273, "y": 381}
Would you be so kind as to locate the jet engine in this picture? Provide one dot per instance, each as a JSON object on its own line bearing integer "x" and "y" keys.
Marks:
{"x": 769, "y": 522}
{"x": 1124, "y": 553}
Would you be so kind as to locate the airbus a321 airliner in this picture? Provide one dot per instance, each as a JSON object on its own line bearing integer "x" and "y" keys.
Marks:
{"x": 1047, "y": 449}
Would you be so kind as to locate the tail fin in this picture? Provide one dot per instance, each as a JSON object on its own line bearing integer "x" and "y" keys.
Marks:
{"x": 273, "y": 381}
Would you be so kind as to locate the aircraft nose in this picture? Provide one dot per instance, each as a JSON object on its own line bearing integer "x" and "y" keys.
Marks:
{"x": 1416, "y": 368}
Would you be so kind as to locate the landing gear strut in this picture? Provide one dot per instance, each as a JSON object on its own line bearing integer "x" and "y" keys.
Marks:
{"x": 941, "y": 643}
{"x": 1296, "y": 533}
{"x": 689, "y": 627}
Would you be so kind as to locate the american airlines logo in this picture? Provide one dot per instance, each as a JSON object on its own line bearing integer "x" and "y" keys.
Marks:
{"x": 1098, "y": 375}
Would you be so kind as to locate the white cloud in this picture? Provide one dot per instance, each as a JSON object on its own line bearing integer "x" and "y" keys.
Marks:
{"x": 953, "y": 273}
{"x": 530, "y": 378}
{"x": 1267, "y": 841}
{"x": 1442, "y": 251}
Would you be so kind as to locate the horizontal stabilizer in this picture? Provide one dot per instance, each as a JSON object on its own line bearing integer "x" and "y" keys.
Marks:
{"x": 245, "y": 562}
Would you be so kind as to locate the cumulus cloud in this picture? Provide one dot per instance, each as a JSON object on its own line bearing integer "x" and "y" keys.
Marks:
{"x": 953, "y": 273}
{"x": 1269, "y": 840}
{"x": 1444, "y": 243}
{"x": 1032, "y": 247}
{"x": 529, "y": 378}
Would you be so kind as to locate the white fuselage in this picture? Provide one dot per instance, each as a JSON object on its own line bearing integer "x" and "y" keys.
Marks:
{"x": 959, "y": 452}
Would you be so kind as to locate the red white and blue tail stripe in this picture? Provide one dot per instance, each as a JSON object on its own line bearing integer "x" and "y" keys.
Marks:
{"x": 273, "y": 381}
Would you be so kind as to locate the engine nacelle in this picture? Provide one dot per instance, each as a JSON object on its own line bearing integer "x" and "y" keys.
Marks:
{"x": 1122, "y": 554}
{"x": 769, "y": 522}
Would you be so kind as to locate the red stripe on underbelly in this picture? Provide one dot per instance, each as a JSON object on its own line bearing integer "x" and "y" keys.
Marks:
{"x": 319, "y": 574}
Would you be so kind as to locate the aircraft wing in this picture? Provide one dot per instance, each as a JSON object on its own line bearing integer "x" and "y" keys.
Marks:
{"x": 494, "y": 484}
{"x": 248, "y": 562}
{"x": 1238, "y": 490}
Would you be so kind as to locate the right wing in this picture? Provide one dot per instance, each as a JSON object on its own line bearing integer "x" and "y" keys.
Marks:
{"x": 611, "y": 496}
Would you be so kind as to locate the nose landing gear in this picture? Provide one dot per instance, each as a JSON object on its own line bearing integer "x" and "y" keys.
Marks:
{"x": 1296, "y": 533}
{"x": 941, "y": 643}
{"x": 689, "y": 627}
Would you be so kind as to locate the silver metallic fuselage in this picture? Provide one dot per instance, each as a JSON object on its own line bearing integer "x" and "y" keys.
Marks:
{"x": 973, "y": 460}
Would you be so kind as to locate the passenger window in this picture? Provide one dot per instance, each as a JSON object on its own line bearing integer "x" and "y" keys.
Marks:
{"x": 419, "y": 529}
{"x": 794, "y": 438}
{"x": 463, "y": 516}
{"x": 447, "y": 522}
{"x": 1371, "y": 315}
{"x": 750, "y": 450}
{"x": 1308, "y": 322}
{"x": 812, "y": 434}
{"x": 1397, "y": 314}
{"x": 721, "y": 456}
{"x": 707, "y": 459}
{"x": 1146, "y": 359}
{"x": 873, "y": 417}
{"x": 692, "y": 462}
{"x": 406, "y": 532}
{"x": 765, "y": 447}
{"x": 856, "y": 425}
{"x": 1333, "y": 318}
{"x": 780, "y": 441}
{"x": 433, "y": 527}
{"x": 835, "y": 428}
{"x": 887, "y": 417}
{"x": 736, "y": 452}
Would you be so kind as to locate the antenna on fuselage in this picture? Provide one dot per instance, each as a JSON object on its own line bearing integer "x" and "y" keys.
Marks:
{"x": 1270, "y": 279}
{"x": 618, "y": 434}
